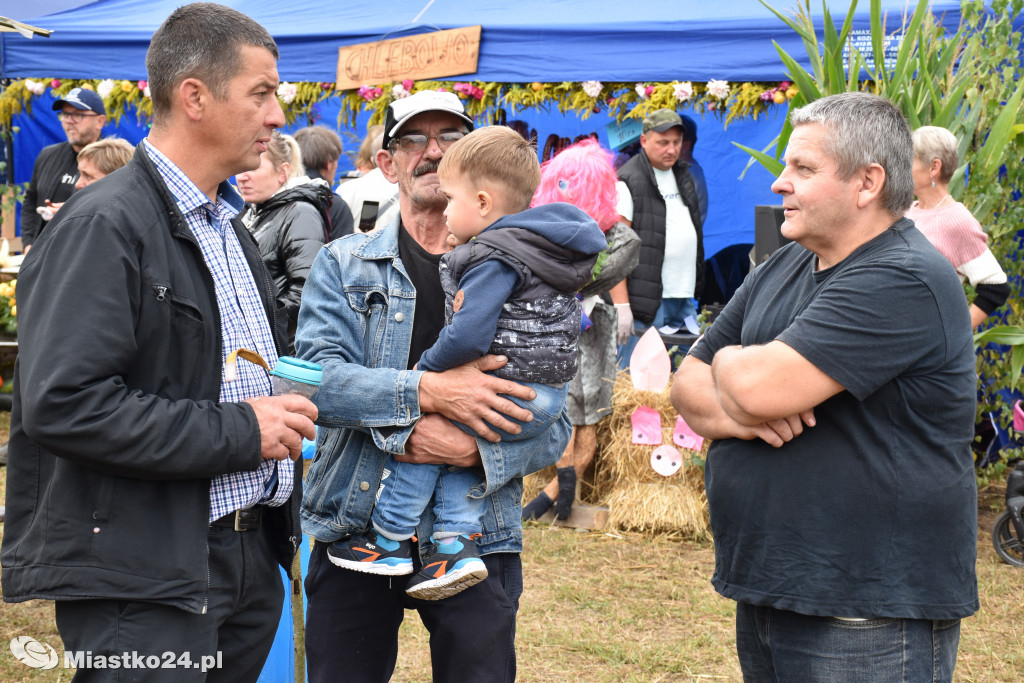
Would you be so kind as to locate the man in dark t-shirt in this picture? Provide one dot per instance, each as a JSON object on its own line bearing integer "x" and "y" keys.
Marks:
{"x": 55, "y": 173}
{"x": 839, "y": 387}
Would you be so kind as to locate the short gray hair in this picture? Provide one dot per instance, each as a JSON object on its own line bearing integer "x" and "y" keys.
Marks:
{"x": 866, "y": 129}
{"x": 320, "y": 146}
{"x": 933, "y": 142}
{"x": 201, "y": 41}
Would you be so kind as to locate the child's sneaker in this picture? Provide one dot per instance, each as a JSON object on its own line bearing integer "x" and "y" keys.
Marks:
{"x": 372, "y": 553}
{"x": 451, "y": 568}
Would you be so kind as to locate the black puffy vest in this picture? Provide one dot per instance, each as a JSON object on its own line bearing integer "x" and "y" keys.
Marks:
{"x": 539, "y": 326}
{"x": 649, "y": 223}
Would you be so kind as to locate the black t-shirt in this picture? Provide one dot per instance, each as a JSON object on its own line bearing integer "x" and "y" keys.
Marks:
{"x": 423, "y": 268}
{"x": 53, "y": 177}
{"x": 873, "y": 511}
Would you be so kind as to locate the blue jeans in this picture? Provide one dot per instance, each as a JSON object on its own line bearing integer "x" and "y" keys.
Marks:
{"x": 776, "y": 645}
{"x": 406, "y": 488}
{"x": 671, "y": 312}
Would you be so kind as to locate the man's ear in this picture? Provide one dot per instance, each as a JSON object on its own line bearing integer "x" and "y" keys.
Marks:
{"x": 485, "y": 202}
{"x": 386, "y": 164}
{"x": 871, "y": 185}
{"x": 193, "y": 95}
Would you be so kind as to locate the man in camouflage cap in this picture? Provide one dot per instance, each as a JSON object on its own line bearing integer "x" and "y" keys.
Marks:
{"x": 658, "y": 198}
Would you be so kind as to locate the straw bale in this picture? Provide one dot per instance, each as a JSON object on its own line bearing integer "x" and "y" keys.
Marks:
{"x": 664, "y": 508}
{"x": 622, "y": 478}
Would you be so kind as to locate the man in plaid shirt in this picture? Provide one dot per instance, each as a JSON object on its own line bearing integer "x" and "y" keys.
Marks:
{"x": 153, "y": 493}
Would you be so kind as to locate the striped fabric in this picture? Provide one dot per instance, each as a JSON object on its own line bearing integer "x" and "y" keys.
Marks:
{"x": 243, "y": 325}
{"x": 958, "y": 236}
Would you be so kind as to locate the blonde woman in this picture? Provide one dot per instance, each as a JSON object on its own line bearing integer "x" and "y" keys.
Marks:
{"x": 288, "y": 217}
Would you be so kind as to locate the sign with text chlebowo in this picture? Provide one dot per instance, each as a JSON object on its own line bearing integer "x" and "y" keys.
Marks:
{"x": 428, "y": 55}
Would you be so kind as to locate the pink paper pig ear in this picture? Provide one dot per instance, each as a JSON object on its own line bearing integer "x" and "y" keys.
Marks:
{"x": 646, "y": 426}
{"x": 684, "y": 437}
{"x": 649, "y": 366}
{"x": 1018, "y": 417}
{"x": 666, "y": 460}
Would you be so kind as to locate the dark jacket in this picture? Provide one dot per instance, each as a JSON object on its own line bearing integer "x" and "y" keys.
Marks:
{"x": 53, "y": 177}
{"x": 644, "y": 284}
{"x": 552, "y": 249}
{"x": 341, "y": 220}
{"x": 290, "y": 228}
{"x": 116, "y": 428}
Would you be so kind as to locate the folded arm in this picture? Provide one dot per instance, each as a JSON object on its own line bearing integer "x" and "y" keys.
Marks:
{"x": 696, "y": 397}
{"x": 768, "y": 382}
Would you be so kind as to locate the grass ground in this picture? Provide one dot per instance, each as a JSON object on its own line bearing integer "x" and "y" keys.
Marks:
{"x": 603, "y": 608}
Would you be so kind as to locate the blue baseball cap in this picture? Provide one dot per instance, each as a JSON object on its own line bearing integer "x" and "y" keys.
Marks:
{"x": 83, "y": 99}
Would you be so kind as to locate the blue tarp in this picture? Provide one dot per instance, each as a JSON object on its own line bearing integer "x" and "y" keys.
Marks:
{"x": 554, "y": 40}
{"x": 545, "y": 40}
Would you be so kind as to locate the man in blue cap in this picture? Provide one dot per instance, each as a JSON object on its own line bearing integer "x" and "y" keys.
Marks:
{"x": 82, "y": 117}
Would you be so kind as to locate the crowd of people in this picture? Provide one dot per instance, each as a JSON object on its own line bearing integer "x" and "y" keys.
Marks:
{"x": 467, "y": 307}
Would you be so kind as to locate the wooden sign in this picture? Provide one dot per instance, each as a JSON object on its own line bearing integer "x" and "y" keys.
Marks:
{"x": 427, "y": 55}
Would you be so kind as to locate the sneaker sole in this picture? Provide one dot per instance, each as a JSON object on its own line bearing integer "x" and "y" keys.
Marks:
{"x": 378, "y": 568}
{"x": 452, "y": 583}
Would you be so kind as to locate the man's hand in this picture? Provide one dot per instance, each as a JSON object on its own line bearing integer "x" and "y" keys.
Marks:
{"x": 777, "y": 432}
{"x": 283, "y": 421}
{"x": 474, "y": 398}
{"x": 436, "y": 441}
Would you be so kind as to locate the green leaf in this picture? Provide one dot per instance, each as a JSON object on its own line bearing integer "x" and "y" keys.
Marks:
{"x": 1009, "y": 335}
{"x": 804, "y": 83}
{"x": 773, "y": 166}
{"x": 879, "y": 73}
{"x": 911, "y": 36}
{"x": 1016, "y": 363}
{"x": 800, "y": 30}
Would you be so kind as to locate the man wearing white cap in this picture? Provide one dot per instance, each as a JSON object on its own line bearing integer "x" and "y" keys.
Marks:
{"x": 82, "y": 117}
{"x": 372, "y": 304}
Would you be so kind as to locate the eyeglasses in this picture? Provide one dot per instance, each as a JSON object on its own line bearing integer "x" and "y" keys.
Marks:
{"x": 418, "y": 143}
{"x": 74, "y": 117}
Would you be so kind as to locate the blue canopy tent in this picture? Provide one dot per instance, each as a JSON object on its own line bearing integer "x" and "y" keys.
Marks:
{"x": 550, "y": 41}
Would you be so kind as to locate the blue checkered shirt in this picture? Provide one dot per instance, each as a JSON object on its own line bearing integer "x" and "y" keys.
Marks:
{"x": 243, "y": 324}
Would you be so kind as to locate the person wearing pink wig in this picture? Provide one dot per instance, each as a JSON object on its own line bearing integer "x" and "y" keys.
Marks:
{"x": 583, "y": 175}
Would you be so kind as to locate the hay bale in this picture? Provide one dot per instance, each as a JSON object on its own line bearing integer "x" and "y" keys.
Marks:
{"x": 640, "y": 499}
{"x": 662, "y": 508}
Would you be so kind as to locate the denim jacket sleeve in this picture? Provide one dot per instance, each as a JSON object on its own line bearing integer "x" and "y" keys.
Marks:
{"x": 356, "y": 322}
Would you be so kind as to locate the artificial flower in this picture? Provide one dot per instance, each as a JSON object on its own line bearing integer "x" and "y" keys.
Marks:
{"x": 592, "y": 88}
{"x": 105, "y": 87}
{"x": 719, "y": 89}
{"x": 683, "y": 90}
{"x": 287, "y": 92}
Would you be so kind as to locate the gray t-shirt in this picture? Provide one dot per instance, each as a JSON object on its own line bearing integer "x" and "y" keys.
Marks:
{"x": 873, "y": 512}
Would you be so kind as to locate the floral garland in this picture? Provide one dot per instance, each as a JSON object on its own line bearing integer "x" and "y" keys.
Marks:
{"x": 729, "y": 101}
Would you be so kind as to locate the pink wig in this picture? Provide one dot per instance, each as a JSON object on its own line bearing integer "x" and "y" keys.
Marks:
{"x": 581, "y": 175}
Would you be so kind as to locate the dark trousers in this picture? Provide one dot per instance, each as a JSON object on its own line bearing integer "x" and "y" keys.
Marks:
{"x": 244, "y": 609}
{"x": 352, "y": 622}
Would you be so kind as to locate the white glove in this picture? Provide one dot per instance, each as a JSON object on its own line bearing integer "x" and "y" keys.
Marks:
{"x": 625, "y": 327}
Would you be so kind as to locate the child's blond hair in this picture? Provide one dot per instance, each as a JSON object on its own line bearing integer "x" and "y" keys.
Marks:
{"x": 499, "y": 155}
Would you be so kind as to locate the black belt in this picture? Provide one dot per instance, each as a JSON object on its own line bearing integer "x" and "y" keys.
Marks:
{"x": 249, "y": 519}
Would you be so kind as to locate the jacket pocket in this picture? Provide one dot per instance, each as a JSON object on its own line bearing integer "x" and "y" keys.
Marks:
{"x": 372, "y": 305}
{"x": 175, "y": 328}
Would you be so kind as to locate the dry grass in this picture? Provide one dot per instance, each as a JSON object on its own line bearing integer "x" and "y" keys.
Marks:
{"x": 626, "y": 607}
